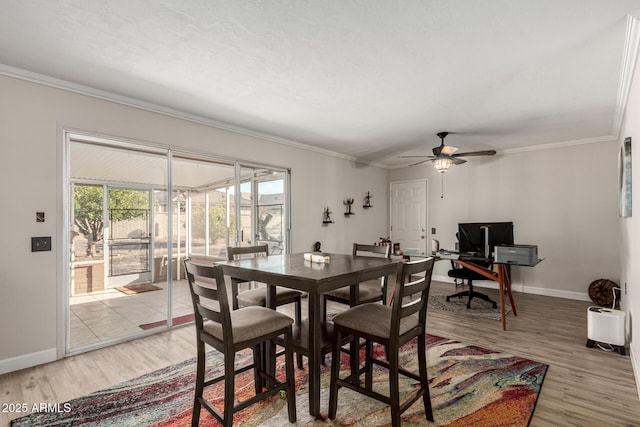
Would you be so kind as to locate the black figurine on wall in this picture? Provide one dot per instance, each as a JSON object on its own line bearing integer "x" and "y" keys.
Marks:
{"x": 367, "y": 200}
{"x": 326, "y": 216}
{"x": 348, "y": 202}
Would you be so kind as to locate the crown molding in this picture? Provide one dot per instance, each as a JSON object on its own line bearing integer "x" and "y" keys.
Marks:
{"x": 595, "y": 140}
{"x": 53, "y": 82}
{"x": 627, "y": 69}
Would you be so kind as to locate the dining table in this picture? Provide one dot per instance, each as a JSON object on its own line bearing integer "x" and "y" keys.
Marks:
{"x": 315, "y": 278}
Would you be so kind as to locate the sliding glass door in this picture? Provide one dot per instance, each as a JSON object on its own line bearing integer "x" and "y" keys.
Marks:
{"x": 115, "y": 291}
{"x": 263, "y": 207}
{"x": 136, "y": 212}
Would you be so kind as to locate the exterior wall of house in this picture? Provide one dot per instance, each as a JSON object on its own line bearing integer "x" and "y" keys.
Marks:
{"x": 564, "y": 200}
{"x": 33, "y": 119}
{"x": 630, "y": 226}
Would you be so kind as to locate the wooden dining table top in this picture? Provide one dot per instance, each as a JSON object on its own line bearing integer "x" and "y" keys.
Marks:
{"x": 293, "y": 271}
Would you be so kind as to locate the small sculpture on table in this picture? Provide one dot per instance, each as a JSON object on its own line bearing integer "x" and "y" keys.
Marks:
{"x": 326, "y": 216}
{"x": 348, "y": 202}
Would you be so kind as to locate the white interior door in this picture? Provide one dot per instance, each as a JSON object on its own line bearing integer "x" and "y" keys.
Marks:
{"x": 409, "y": 215}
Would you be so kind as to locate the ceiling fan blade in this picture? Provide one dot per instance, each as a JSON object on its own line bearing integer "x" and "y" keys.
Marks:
{"x": 457, "y": 160}
{"x": 411, "y": 157}
{"x": 419, "y": 163}
{"x": 476, "y": 153}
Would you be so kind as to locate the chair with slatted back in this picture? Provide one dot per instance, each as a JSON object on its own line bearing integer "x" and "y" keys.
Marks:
{"x": 229, "y": 332}
{"x": 392, "y": 327}
{"x": 370, "y": 291}
{"x": 257, "y": 294}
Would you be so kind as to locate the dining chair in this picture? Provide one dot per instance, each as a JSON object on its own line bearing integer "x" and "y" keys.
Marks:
{"x": 229, "y": 331}
{"x": 391, "y": 326}
{"x": 370, "y": 291}
{"x": 257, "y": 296}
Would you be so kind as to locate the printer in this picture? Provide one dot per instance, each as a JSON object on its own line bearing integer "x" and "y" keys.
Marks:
{"x": 516, "y": 254}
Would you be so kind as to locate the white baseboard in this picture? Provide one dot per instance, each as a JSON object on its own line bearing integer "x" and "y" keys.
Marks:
{"x": 519, "y": 287}
{"x": 635, "y": 359}
{"x": 27, "y": 360}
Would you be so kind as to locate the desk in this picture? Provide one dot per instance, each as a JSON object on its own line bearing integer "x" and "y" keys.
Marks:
{"x": 499, "y": 275}
{"x": 292, "y": 271}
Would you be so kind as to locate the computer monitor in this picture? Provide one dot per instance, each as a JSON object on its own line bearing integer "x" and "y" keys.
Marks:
{"x": 471, "y": 236}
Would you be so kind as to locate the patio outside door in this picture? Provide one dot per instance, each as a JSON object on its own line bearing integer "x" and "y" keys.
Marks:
{"x": 128, "y": 250}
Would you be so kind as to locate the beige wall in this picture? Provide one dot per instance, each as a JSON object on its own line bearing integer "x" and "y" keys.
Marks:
{"x": 564, "y": 200}
{"x": 33, "y": 118}
{"x": 630, "y": 244}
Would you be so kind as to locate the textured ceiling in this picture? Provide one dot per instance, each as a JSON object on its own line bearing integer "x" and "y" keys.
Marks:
{"x": 367, "y": 79}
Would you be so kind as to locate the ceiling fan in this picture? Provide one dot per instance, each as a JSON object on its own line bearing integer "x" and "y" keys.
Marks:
{"x": 445, "y": 155}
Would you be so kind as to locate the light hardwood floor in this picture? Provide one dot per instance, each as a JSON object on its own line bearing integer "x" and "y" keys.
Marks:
{"x": 583, "y": 387}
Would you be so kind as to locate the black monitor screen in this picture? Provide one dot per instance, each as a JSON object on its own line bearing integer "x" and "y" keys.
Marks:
{"x": 471, "y": 236}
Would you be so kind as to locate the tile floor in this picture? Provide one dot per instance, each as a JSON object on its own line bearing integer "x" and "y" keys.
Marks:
{"x": 111, "y": 314}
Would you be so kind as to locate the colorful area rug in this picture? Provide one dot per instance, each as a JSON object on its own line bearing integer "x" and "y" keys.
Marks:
{"x": 469, "y": 386}
{"x": 479, "y": 308}
{"x": 138, "y": 288}
{"x": 180, "y": 320}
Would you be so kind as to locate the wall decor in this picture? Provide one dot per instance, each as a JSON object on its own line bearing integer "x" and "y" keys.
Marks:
{"x": 624, "y": 177}
{"x": 348, "y": 202}
{"x": 326, "y": 216}
{"x": 367, "y": 200}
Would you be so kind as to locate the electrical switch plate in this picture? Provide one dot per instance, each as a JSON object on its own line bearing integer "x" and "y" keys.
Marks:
{"x": 40, "y": 244}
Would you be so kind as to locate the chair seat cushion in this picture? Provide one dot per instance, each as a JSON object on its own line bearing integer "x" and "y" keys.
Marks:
{"x": 368, "y": 291}
{"x": 373, "y": 320}
{"x": 250, "y": 322}
{"x": 259, "y": 296}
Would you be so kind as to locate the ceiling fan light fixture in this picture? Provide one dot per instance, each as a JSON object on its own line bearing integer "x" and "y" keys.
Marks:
{"x": 442, "y": 165}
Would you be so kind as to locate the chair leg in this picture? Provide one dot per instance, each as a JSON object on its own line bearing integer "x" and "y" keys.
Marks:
{"x": 200, "y": 368}
{"x": 368, "y": 376}
{"x": 257, "y": 365}
{"x": 299, "y": 323}
{"x": 335, "y": 371}
{"x": 229, "y": 388}
{"x": 424, "y": 378}
{"x": 291, "y": 379}
{"x": 394, "y": 387}
{"x": 470, "y": 294}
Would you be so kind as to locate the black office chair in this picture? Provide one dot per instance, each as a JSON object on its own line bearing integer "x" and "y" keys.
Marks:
{"x": 468, "y": 275}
